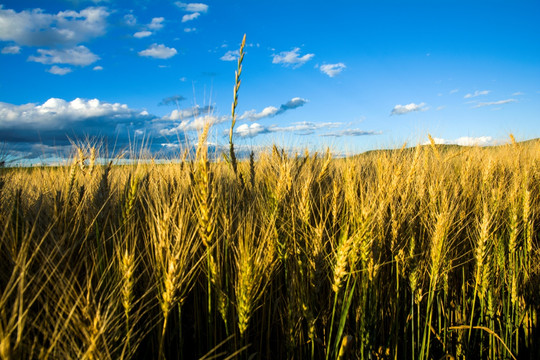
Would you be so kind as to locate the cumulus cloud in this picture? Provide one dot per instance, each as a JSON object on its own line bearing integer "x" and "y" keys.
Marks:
{"x": 491, "y": 103}
{"x": 189, "y": 17}
{"x": 477, "y": 93}
{"x": 188, "y": 30}
{"x": 271, "y": 111}
{"x": 37, "y": 28}
{"x": 158, "y": 51}
{"x": 56, "y": 119}
{"x": 11, "y": 49}
{"x": 57, "y": 70}
{"x": 142, "y": 34}
{"x": 351, "y": 132}
{"x": 79, "y": 55}
{"x": 192, "y": 7}
{"x": 404, "y": 109}
{"x": 130, "y": 19}
{"x": 156, "y": 24}
{"x": 291, "y": 58}
{"x": 332, "y": 69}
{"x": 98, "y": 68}
{"x": 465, "y": 141}
{"x": 230, "y": 55}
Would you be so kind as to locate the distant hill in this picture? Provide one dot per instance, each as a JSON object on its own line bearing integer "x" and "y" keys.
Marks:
{"x": 443, "y": 148}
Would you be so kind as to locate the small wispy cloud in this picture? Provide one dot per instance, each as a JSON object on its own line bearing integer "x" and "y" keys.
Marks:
{"x": 404, "y": 109}
{"x": 11, "y": 50}
{"x": 291, "y": 58}
{"x": 142, "y": 34}
{"x": 491, "y": 103}
{"x": 189, "y": 17}
{"x": 175, "y": 99}
{"x": 57, "y": 70}
{"x": 332, "y": 69}
{"x": 79, "y": 55}
{"x": 439, "y": 108}
{"x": 477, "y": 93}
{"x": 351, "y": 132}
{"x": 300, "y": 128}
{"x": 454, "y": 91}
{"x": 158, "y": 51}
{"x": 98, "y": 68}
{"x": 188, "y": 30}
{"x": 230, "y": 55}
{"x": 156, "y": 24}
{"x": 271, "y": 111}
{"x": 519, "y": 93}
{"x": 192, "y": 7}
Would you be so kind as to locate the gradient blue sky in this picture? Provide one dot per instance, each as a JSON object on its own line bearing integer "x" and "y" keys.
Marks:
{"x": 352, "y": 75}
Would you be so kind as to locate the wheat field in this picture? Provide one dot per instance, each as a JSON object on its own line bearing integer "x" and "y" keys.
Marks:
{"x": 427, "y": 252}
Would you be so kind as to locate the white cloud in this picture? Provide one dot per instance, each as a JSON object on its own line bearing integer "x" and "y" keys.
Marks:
{"x": 158, "y": 51}
{"x": 188, "y": 30}
{"x": 519, "y": 93}
{"x": 37, "y": 28}
{"x": 454, "y": 91}
{"x": 477, "y": 93}
{"x": 465, "y": 141}
{"x": 189, "y": 17}
{"x": 11, "y": 49}
{"x": 291, "y": 58}
{"x": 439, "y": 108}
{"x": 404, "y": 109}
{"x": 57, "y": 70}
{"x": 252, "y": 130}
{"x": 142, "y": 34}
{"x": 79, "y": 55}
{"x": 98, "y": 68}
{"x": 192, "y": 7}
{"x": 230, "y": 55}
{"x": 500, "y": 102}
{"x": 332, "y": 69}
{"x": 156, "y": 24}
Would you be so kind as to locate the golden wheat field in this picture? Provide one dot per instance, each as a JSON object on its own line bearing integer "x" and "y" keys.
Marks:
{"x": 427, "y": 252}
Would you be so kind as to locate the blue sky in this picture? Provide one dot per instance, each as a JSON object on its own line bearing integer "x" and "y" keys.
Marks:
{"x": 352, "y": 75}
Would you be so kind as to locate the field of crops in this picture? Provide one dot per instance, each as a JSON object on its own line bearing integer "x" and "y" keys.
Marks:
{"x": 426, "y": 252}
